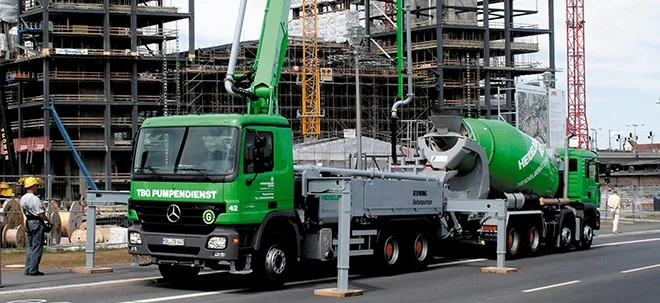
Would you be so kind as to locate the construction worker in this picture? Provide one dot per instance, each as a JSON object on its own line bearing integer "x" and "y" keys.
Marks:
{"x": 35, "y": 226}
{"x": 615, "y": 209}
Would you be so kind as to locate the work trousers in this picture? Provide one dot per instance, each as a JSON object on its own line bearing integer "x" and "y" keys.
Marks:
{"x": 615, "y": 223}
{"x": 35, "y": 239}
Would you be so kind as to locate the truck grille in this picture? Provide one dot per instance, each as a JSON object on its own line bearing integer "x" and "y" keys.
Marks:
{"x": 153, "y": 216}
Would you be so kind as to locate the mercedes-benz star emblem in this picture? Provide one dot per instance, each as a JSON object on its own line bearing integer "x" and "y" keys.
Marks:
{"x": 173, "y": 213}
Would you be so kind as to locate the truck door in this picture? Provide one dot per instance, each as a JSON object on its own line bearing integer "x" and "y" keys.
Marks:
{"x": 258, "y": 174}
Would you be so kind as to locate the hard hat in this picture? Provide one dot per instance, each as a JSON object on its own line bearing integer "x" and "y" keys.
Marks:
{"x": 30, "y": 181}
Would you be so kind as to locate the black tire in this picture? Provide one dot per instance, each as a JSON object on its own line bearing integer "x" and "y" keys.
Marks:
{"x": 388, "y": 255}
{"x": 178, "y": 274}
{"x": 566, "y": 233}
{"x": 513, "y": 241}
{"x": 274, "y": 261}
{"x": 418, "y": 250}
{"x": 587, "y": 235}
{"x": 533, "y": 241}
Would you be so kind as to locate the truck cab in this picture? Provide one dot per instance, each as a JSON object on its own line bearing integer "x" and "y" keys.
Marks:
{"x": 201, "y": 185}
{"x": 583, "y": 175}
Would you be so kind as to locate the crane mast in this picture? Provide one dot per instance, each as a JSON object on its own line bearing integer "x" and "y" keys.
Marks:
{"x": 311, "y": 86}
{"x": 264, "y": 77}
{"x": 576, "y": 76}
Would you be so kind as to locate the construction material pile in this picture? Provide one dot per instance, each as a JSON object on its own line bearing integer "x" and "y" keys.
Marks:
{"x": 69, "y": 225}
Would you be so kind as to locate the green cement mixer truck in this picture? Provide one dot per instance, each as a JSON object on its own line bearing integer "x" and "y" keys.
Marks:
{"x": 222, "y": 191}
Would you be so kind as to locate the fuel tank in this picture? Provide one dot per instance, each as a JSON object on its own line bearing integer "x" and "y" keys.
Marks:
{"x": 516, "y": 161}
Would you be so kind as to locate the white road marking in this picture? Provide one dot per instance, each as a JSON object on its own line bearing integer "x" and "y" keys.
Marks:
{"x": 552, "y": 286}
{"x": 456, "y": 262}
{"x": 180, "y": 297}
{"x": 70, "y": 286}
{"x": 627, "y": 242}
{"x": 93, "y": 284}
{"x": 641, "y": 268}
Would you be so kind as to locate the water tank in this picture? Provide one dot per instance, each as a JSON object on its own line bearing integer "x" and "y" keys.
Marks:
{"x": 516, "y": 161}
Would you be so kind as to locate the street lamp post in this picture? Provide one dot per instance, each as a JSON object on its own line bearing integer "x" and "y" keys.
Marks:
{"x": 651, "y": 136}
{"x": 634, "y": 135}
{"x": 594, "y": 141}
{"x": 355, "y": 37}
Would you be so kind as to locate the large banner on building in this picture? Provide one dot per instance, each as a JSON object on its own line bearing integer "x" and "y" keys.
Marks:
{"x": 532, "y": 112}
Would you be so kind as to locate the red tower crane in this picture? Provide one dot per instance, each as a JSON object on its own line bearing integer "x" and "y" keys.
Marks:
{"x": 576, "y": 76}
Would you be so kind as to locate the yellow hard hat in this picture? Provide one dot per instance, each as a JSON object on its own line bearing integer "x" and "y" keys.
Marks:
{"x": 30, "y": 181}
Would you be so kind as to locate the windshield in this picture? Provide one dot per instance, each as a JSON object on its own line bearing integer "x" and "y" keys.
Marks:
{"x": 186, "y": 151}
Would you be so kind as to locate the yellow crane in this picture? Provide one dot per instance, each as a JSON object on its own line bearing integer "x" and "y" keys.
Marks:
{"x": 311, "y": 86}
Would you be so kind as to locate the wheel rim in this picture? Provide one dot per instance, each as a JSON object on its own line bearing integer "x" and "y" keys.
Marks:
{"x": 513, "y": 240}
{"x": 588, "y": 233}
{"x": 566, "y": 235}
{"x": 534, "y": 238}
{"x": 421, "y": 247}
{"x": 275, "y": 261}
{"x": 391, "y": 250}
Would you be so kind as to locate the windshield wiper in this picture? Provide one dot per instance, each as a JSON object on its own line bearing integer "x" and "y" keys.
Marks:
{"x": 200, "y": 171}
{"x": 155, "y": 172}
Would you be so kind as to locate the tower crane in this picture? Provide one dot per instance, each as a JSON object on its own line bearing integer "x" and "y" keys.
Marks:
{"x": 576, "y": 77}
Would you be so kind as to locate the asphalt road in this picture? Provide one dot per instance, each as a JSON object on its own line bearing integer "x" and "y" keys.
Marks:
{"x": 618, "y": 268}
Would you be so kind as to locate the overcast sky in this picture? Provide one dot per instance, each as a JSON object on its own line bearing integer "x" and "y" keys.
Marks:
{"x": 622, "y": 54}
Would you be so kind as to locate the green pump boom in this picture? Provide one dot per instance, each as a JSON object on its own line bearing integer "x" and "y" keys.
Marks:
{"x": 263, "y": 78}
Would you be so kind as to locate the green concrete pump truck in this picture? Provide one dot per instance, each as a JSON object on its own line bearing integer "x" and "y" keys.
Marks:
{"x": 222, "y": 191}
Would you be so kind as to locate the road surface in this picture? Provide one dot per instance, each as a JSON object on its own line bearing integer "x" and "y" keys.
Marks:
{"x": 620, "y": 268}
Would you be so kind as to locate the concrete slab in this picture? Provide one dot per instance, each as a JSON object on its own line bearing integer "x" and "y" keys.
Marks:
{"x": 335, "y": 293}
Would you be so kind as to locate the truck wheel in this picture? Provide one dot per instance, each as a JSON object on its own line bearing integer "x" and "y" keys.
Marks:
{"x": 178, "y": 274}
{"x": 272, "y": 263}
{"x": 418, "y": 250}
{"x": 587, "y": 235}
{"x": 566, "y": 234}
{"x": 533, "y": 241}
{"x": 388, "y": 252}
{"x": 513, "y": 242}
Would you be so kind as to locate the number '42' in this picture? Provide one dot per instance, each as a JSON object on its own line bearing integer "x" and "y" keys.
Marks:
{"x": 233, "y": 207}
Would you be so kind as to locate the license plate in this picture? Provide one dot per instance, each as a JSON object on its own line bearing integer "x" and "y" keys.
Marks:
{"x": 172, "y": 241}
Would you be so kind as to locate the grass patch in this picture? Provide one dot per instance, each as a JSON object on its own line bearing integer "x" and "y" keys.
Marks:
{"x": 67, "y": 259}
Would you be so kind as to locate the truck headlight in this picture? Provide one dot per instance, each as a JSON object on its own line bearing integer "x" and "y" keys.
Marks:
{"x": 217, "y": 243}
{"x": 134, "y": 238}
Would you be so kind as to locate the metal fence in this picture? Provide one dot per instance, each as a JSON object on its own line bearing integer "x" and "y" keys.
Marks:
{"x": 66, "y": 207}
{"x": 636, "y": 203}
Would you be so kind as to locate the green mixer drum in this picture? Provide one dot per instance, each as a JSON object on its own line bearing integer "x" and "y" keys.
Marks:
{"x": 517, "y": 162}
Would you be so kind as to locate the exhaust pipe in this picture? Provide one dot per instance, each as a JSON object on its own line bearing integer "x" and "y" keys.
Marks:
{"x": 411, "y": 93}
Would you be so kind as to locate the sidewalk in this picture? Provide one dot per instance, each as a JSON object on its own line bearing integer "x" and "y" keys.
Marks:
{"x": 627, "y": 226}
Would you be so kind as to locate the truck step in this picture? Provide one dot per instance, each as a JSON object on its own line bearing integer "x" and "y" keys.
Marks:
{"x": 364, "y": 252}
{"x": 352, "y": 241}
{"x": 364, "y": 232}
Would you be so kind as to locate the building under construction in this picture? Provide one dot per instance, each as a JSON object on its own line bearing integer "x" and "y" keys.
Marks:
{"x": 103, "y": 66}
{"x": 100, "y": 66}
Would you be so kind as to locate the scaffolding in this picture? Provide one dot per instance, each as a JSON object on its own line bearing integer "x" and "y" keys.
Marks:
{"x": 103, "y": 67}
